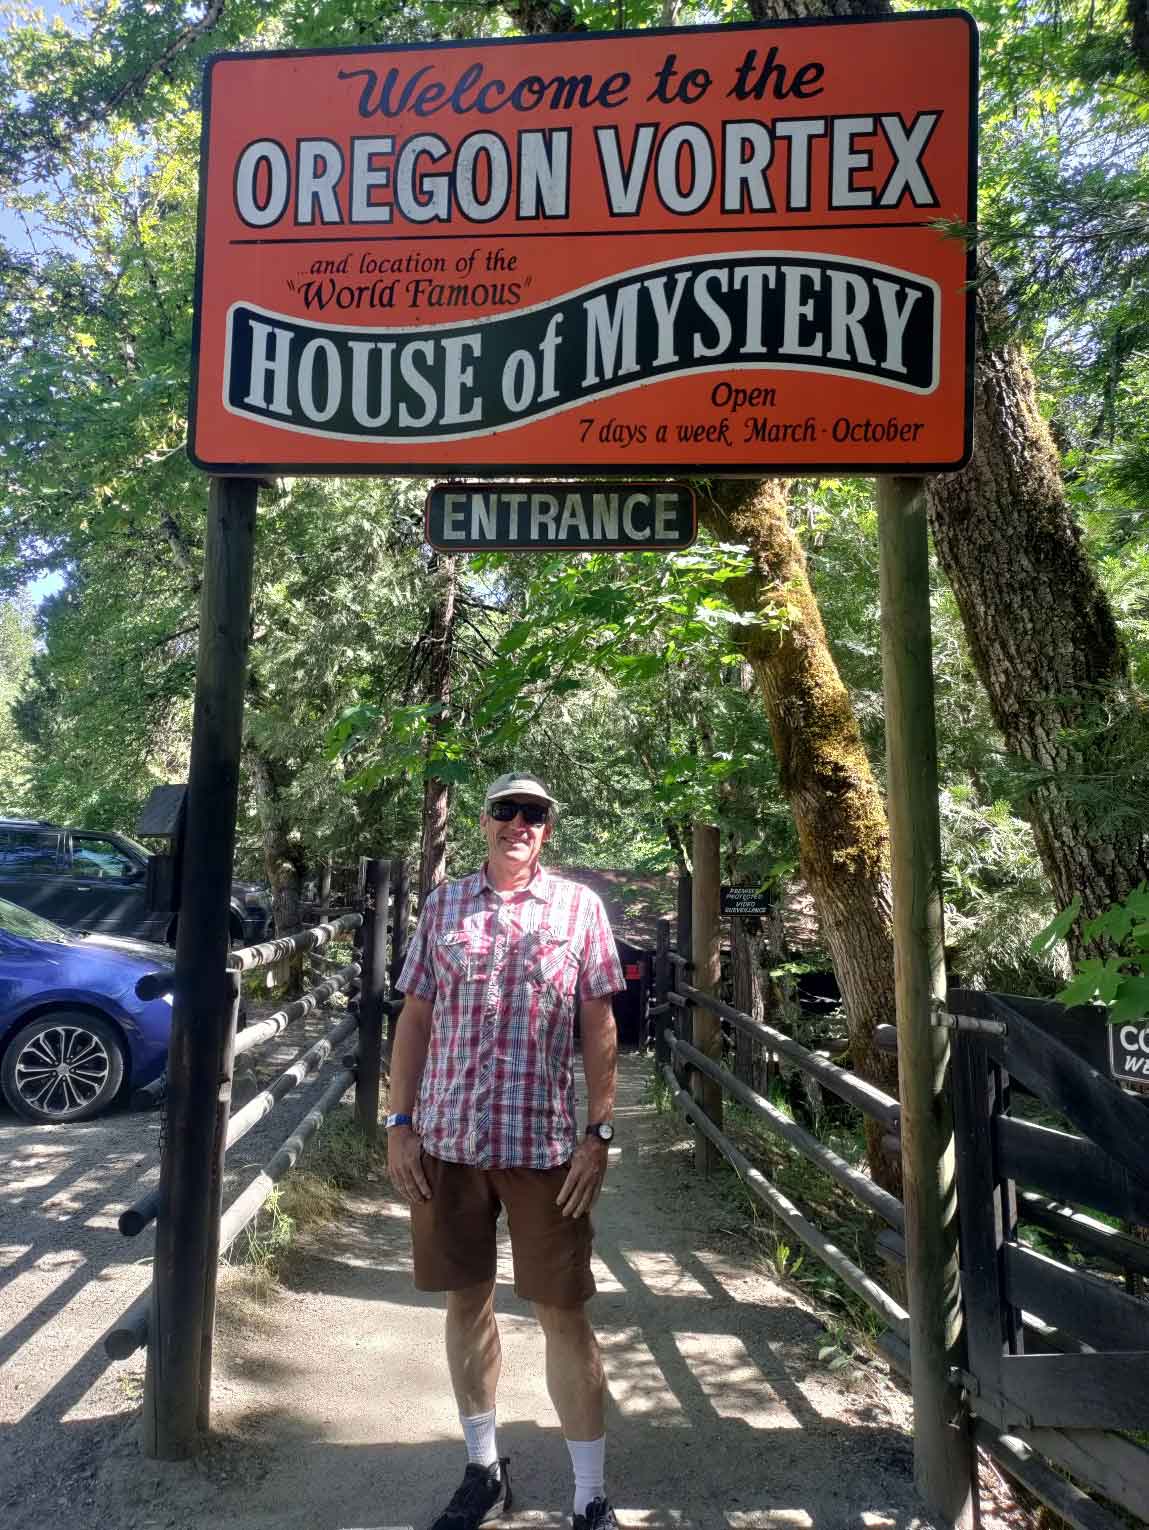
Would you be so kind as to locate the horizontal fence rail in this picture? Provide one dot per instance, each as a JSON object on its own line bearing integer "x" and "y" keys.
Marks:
{"x": 309, "y": 1061}
{"x": 1085, "y": 1232}
{"x": 266, "y": 1029}
{"x": 785, "y": 1210}
{"x": 868, "y": 1098}
{"x": 888, "y": 1207}
{"x": 271, "y": 952}
{"x": 130, "y": 1332}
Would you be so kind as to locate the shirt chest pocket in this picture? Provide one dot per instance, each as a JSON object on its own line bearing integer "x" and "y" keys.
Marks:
{"x": 463, "y": 956}
{"x": 550, "y": 960}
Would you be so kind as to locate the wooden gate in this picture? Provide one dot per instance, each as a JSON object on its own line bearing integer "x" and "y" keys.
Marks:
{"x": 1053, "y": 1351}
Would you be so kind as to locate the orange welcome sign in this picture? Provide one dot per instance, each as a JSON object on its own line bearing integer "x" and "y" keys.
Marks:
{"x": 731, "y": 249}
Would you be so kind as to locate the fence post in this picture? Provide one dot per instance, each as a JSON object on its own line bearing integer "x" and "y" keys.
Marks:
{"x": 372, "y": 992}
{"x": 945, "y": 1463}
{"x": 400, "y": 933}
{"x": 706, "y": 942}
{"x": 219, "y": 1152}
{"x": 661, "y": 989}
{"x": 187, "y": 1227}
{"x": 685, "y": 915}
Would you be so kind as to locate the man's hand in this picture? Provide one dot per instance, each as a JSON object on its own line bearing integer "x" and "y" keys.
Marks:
{"x": 405, "y": 1165}
{"x": 584, "y": 1178}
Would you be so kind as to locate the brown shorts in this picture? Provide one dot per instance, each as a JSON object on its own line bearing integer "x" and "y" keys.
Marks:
{"x": 454, "y": 1233}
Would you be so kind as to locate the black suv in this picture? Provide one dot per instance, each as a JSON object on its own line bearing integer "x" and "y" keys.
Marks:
{"x": 87, "y": 879}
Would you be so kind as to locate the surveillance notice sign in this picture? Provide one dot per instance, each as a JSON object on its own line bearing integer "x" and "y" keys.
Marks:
{"x": 726, "y": 249}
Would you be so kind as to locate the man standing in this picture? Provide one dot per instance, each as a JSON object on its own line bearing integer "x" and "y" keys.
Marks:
{"x": 483, "y": 1100}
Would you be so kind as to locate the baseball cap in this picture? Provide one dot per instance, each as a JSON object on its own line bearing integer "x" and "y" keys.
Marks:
{"x": 517, "y": 783}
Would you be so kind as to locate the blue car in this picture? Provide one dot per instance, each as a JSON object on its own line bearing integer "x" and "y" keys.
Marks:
{"x": 72, "y": 1032}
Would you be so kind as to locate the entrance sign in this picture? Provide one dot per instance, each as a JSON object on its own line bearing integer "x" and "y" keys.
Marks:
{"x": 578, "y": 517}
{"x": 715, "y": 248}
{"x": 1129, "y": 1052}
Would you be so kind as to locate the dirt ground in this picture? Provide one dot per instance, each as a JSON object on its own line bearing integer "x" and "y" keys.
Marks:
{"x": 331, "y": 1404}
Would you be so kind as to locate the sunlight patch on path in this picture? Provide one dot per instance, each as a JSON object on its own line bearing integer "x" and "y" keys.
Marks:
{"x": 636, "y": 1381}
{"x": 661, "y": 1273}
{"x": 733, "y": 1383}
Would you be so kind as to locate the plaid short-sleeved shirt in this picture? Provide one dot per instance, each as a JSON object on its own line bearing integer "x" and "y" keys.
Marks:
{"x": 504, "y": 974}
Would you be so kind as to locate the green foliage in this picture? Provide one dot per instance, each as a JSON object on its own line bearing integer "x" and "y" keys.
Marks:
{"x": 619, "y": 678}
{"x": 17, "y": 646}
{"x": 1119, "y": 979}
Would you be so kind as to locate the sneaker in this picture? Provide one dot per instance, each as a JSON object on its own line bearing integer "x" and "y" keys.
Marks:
{"x": 480, "y": 1498}
{"x": 599, "y": 1516}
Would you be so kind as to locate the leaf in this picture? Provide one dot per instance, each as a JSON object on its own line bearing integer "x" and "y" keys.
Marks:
{"x": 1057, "y": 928}
{"x": 1093, "y": 976}
{"x": 1132, "y": 1001}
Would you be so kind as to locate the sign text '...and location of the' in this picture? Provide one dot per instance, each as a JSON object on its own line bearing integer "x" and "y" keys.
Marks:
{"x": 723, "y": 248}
{"x": 580, "y": 517}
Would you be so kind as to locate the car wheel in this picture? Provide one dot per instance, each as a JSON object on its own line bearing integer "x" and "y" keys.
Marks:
{"x": 64, "y": 1066}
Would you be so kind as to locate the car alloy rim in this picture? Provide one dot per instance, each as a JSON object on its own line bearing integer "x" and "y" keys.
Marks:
{"x": 62, "y": 1069}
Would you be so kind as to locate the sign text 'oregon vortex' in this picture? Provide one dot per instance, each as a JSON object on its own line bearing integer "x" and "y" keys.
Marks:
{"x": 730, "y": 249}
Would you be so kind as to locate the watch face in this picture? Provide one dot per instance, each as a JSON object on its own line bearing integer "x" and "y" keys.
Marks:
{"x": 605, "y": 1130}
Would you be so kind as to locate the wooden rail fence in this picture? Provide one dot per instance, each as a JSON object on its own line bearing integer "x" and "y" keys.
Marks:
{"x": 354, "y": 1049}
{"x": 1063, "y": 1313}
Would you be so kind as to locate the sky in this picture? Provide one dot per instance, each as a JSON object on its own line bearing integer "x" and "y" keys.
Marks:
{"x": 11, "y": 228}
{"x": 12, "y": 234}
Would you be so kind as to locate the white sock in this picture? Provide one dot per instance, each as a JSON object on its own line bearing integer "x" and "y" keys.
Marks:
{"x": 588, "y": 1457}
{"x": 479, "y": 1433}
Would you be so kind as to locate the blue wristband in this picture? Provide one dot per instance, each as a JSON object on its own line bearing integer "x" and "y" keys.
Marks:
{"x": 399, "y": 1120}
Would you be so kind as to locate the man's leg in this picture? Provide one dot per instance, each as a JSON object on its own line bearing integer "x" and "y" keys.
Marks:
{"x": 474, "y": 1353}
{"x": 577, "y": 1387}
{"x": 454, "y": 1246}
{"x": 575, "y": 1378}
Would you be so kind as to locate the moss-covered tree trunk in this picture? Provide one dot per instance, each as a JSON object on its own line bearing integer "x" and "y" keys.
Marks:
{"x": 838, "y": 810}
{"x": 1039, "y": 624}
{"x": 1040, "y": 628}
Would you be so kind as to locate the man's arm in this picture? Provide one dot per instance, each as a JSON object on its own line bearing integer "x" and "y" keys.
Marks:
{"x": 600, "y": 1062}
{"x": 599, "y": 1057}
{"x": 408, "y": 1059}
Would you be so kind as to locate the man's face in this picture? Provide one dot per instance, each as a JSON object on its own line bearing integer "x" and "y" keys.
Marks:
{"x": 515, "y": 845}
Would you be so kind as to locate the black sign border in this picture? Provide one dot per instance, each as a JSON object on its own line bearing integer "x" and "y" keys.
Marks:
{"x": 626, "y": 470}
{"x": 1140, "y": 1079}
{"x": 579, "y": 485}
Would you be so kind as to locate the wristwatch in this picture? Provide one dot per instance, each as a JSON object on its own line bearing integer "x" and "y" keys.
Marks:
{"x": 398, "y": 1120}
{"x": 603, "y": 1130}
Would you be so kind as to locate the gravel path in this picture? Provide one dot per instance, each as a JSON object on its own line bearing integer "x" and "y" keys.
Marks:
{"x": 331, "y": 1404}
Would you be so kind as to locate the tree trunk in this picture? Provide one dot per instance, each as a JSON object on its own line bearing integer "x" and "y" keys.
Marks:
{"x": 436, "y": 793}
{"x": 282, "y": 853}
{"x": 750, "y": 959}
{"x": 1040, "y": 627}
{"x": 822, "y": 767}
{"x": 1039, "y": 624}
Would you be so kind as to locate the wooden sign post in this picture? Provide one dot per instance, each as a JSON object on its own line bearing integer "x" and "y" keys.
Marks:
{"x": 199, "y": 1053}
{"x": 945, "y": 1463}
{"x": 707, "y": 957}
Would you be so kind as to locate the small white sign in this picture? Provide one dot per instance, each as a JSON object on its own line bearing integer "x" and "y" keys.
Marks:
{"x": 1129, "y": 1052}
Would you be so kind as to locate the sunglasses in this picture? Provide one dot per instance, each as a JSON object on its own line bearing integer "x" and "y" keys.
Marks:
{"x": 534, "y": 813}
